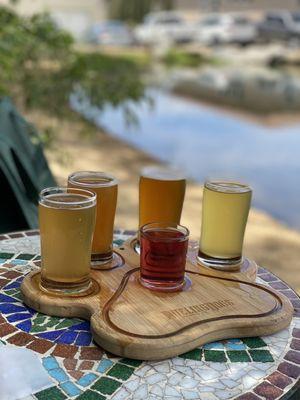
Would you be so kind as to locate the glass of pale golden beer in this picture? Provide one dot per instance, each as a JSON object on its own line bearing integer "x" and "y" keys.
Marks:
{"x": 225, "y": 212}
{"x": 66, "y": 219}
{"x": 106, "y": 188}
{"x": 161, "y": 195}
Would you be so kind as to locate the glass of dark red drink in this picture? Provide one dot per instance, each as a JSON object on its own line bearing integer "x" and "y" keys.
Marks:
{"x": 163, "y": 256}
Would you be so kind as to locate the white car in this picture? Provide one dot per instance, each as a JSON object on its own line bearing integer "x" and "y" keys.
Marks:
{"x": 164, "y": 26}
{"x": 226, "y": 28}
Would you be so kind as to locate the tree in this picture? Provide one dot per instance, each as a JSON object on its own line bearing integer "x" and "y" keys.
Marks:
{"x": 135, "y": 10}
{"x": 40, "y": 68}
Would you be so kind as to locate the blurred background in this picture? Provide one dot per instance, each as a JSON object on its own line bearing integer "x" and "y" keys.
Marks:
{"x": 210, "y": 86}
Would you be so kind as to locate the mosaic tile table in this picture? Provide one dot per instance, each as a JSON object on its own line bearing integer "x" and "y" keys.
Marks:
{"x": 248, "y": 369}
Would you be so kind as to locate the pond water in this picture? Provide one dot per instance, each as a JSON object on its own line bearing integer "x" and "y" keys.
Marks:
{"x": 209, "y": 143}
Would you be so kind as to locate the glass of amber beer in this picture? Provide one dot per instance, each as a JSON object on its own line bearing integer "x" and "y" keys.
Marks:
{"x": 161, "y": 195}
{"x": 66, "y": 219}
{"x": 224, "y": 217}
{"x": 106, "y": 188}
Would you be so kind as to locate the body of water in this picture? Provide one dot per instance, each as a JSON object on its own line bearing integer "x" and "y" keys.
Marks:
{"x": 209, "y": 143}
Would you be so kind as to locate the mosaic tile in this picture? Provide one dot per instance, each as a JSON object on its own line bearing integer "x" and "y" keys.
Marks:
{"x": 261, "y": 355}
{"x": 50, "y": 363}
{"x": 87, "y": 379}
{"x": 279, "y": 380}
{"x": 217, "y": 371}
{"x": 50, "y": 394}
{"x": 269, "y": 391}
{"x": 193, "y": 354}
{"x": 254, "y": 342}
{"x": 58, "y": 374}
{"x": 216, "y": 356}
{"x": 90, "y": 395}
{"x": 70, "y": 389}
{"x": 24, "y": 256}
{"x": 120, "y": 371}
{"x": 106, "y": 385}
{"x": 132, "y": 363}
{"x": 104, "y": 365}
{"x": 238, "y": 356}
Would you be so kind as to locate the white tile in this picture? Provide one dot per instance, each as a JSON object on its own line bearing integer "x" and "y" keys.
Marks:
{"x": 132, "y": 385}
{"x": 155, "y": 378}
{"x": 229, "y": 383}
{"x": 185, "y": 370}
{"x": 176, "y": 378}
{"x": 171, "y": 392}
{"x": 141, "y": 393}
{"x": 207, "y": 374}
{"x": 122, "y": 394}
{"x": 143, "y": 370}
{"x": 189, "y": 383}
{"x": 189, "y": 395}
{"x": 163, "y": 367}
{"x": 156, "y": 390}
{"x": 248, "y": 382}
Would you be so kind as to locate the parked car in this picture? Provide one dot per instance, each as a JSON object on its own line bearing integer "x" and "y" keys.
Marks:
{"x": 111, "y": 32}
{"x": 164, "y": 26}
{"x": 226, "y": 28}
{"x": 282, "y": 25}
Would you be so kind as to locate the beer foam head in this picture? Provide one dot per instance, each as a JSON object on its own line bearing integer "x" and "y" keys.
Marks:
{"x": 92, "y": 179}
{"x": 162, "y": 173}
{"x": 67, "y": 198}
{"x": 227, "y": 187}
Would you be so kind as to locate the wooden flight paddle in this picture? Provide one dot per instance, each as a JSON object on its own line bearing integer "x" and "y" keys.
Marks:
{"x": 134, "y": 322}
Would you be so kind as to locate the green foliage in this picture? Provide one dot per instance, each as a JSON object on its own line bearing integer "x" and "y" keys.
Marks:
{"x": 179, "y": 58}
{"x": 40, "y": 68}
{"x": 135, "y": 10}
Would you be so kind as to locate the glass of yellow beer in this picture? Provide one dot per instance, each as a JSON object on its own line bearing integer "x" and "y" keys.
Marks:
{"x": 161, "y": 195}
{"x": 106, "y": 188}
{"x": 66, "y": 219}
{"x": 225, "y": 212}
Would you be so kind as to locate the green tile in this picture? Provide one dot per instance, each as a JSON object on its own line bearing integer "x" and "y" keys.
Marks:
{"x": 129, "y": 361}
{"x": 254, "y": 342}
{"x": 120, "y": 371}
{"x": 106, "y": 385}
{"x": 90, "y": 395}
{"x": 118, "y": 242}
{"x": 6, "y": 255}
{"x": 261, "y": 355}
{"x": 214, "y": 355}
{"x": 238, "y": 356}
{"x": 192, "y": 355}
{"x": 50, "y": 394}
{"x": 25, "y": 256}
{"x": 65, "y": 324}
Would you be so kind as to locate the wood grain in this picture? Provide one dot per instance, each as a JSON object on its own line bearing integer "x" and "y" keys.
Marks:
{"x": 131, "y": 321}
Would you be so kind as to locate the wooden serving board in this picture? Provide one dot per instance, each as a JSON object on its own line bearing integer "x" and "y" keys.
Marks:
{"x": 131, "y": 321}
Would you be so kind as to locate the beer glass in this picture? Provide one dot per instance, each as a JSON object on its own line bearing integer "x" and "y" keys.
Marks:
{"x": 161, "y": 195}
{"x": 66, "y": 219}
{"x": 224, "y": 217}
{"x": 163, "y": 256}
{"x": 106, "y": 188}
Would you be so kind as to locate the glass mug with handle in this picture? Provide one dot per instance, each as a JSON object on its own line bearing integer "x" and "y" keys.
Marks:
{"x": 66, "y": 220}
{"x": 225, "y": 212}
{"x": 106, "y": 187}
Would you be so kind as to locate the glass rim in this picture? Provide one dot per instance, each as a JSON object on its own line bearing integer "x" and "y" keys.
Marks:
{"x": 168, "y": 173}
{"x": 111, "y": 180}
{"x": 225, "y": 186}
{"x": 165, "y": 225}
{"x": 89, "y": 197}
